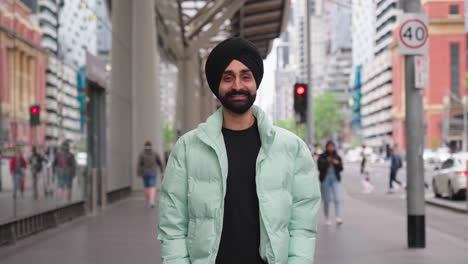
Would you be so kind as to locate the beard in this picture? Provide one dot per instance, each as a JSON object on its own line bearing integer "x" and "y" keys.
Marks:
{"x": 237, "y": 107}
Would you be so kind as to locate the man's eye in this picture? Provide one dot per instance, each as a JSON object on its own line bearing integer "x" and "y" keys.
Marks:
{"x": 246, "y": 77}
{"x": 227, "y": 78}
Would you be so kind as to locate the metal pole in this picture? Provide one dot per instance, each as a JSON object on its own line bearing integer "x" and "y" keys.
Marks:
{"x": 310, "y": 95}
{"x": 1, "y": 140}
{"x": 465, "y": 135}
{"x": 414, "y": 147}
{"x": 465, "y": 124}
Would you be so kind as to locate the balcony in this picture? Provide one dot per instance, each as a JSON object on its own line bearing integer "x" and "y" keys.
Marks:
{"x": 45, "y": 16}
{"x": 49, "y": 5}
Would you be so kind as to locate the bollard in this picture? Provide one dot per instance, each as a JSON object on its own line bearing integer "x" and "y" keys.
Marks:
{"x": 103, "y": 188}
{"x": 94, "y": 190}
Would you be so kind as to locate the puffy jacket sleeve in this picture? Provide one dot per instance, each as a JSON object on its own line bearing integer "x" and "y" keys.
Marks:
{"x": 173, "y": 212}
{"x": 306, "y": 204}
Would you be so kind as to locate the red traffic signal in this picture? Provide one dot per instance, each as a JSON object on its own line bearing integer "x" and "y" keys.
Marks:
{"x": 300, "y": 90}
{"x": 34, "y": 110}
{"x": 34, "y": 118}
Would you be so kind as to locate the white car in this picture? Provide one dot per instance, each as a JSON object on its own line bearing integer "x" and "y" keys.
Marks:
{"x": 451, "y": 178}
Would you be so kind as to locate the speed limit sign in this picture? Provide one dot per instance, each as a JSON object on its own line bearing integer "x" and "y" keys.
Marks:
{"x": 413, "y": 34}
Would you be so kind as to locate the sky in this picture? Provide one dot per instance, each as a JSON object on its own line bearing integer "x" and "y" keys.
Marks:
{"x": 266, "y": 92}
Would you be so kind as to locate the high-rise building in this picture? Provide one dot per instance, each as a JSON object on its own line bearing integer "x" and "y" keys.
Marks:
{"x": 338, "y": 49}
{"x": 22, "y": 74}
{"x": 104, "y": 31}
{"x": 377, "y": 89}
{"x": 285, "y": 75}
{"x": 363, "y": 32}
{"x": 77, "y": 33}
{"x": 61, "y": 104}
{"x": 317, "y": 45}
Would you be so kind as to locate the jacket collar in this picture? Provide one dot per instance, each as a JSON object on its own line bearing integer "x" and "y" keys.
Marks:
{"x": 210, "y": 131}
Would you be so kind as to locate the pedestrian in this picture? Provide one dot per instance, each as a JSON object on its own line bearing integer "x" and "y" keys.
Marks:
{"x": 395, "y": 165}
{"x": 148, "y": 163}
{"x": 330, "y": 167}
{"x": 17, "y": 170}
{"x": 36, "y": 161}
{"x": 363, "y": 159}
{"x": 238, "y": 189}
{"x": 65, "y": 168}
{"x": 365, "y": 175}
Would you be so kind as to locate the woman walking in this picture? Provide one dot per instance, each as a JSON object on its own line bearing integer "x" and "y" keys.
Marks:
{"x": 330, "y": 166}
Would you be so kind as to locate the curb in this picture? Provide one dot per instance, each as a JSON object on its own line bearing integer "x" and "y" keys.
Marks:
{"x": 446, "y": 205}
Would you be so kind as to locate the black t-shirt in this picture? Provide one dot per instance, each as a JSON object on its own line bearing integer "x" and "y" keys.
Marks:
{"x": 240, "y": 239}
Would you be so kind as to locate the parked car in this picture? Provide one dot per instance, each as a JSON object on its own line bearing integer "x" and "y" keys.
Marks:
{"x": 451, "y": 178}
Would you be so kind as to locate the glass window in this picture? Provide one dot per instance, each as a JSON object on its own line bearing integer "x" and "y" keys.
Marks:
{"x": 454, "y": 10}
{"x": 447, "y": 164}
{"x": 455, "y": 69}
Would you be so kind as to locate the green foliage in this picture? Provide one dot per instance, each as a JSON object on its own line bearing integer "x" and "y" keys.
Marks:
{"x": 169, "y": 133}
{"x": 327, "y": 118}
{"x": 290, "y": 124}
{"x": 356, "y": 141}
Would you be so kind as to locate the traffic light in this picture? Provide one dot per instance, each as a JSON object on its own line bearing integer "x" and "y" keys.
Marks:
{"x": 300, "y": 100}
{"x": 34, "y": 115}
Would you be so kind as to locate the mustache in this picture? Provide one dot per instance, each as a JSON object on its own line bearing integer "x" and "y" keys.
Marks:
{"x": 234, "y": 93}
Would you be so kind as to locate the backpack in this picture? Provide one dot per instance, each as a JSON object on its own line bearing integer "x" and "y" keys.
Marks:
{"x": 36, "y": 162}
{"x": 398, "y": 162}
{"x": 64, "y": 160}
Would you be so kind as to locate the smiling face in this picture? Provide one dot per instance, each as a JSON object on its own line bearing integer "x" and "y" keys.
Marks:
{"x": 237, "y": 89}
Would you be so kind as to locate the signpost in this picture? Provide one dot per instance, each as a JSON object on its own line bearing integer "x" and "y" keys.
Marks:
{"x": 413, "y": 40}
{"x": 413, "y": 34}
{"x": 421, "y": 75}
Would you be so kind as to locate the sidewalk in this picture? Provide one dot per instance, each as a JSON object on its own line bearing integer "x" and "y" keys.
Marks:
{"x": 372, "y": 235}
{"x": 126, "y": 233}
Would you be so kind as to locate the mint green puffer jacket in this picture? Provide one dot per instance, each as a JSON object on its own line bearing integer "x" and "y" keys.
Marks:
{"x": 192, "y": 197}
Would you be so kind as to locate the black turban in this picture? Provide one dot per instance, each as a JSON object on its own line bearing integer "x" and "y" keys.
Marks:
{"x": 227, "y": 51}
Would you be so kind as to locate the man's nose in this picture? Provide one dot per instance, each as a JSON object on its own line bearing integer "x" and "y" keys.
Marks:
{"x": 237, "y": 84}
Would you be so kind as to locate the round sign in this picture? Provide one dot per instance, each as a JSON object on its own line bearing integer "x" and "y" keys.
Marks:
{"x": 413, "y": 33}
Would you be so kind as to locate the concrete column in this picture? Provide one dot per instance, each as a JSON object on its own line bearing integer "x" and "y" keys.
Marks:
{"x": 119, "y": 147}
{"x": 146, "y": 103}
{"x": 189, "y": 98}
{"x": 208, "y": 106}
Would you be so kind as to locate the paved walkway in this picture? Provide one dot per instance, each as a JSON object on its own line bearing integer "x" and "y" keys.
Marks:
{"x": 126, "y": 233}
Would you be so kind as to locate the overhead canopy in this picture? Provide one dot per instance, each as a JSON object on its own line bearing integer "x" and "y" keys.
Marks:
{"x": 203, "y": 23}
{"x": 261, "y": 21}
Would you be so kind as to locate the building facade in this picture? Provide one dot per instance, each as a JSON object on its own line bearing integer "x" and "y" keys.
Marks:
{"x": 377, "y": 91}
{"x": 77, "y": 33}
{"x": 363, "y": 32}
{"x": 63, "y": 117}
{"x": 22, "y": 74}
{"x": 443, "y": 98}
{"x": 285, "y": 74}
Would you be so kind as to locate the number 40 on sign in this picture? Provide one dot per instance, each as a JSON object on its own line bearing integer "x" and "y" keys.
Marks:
{"x": 413, "y": 34}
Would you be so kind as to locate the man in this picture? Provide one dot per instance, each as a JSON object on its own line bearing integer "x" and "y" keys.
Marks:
{"x": 65, "y": 167}
{"x": 395, "y": 165}
{"x": 36, "y": 160}
{"x": 17, "y": 167}
{"x": 148, "y": 164}
{"x": 237, "y": 189}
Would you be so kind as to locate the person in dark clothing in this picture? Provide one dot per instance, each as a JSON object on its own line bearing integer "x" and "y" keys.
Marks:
{"x": 395, "y": 165}
{"x": 148, "y": 164}
{"x": 363, "y": 159}
{"x": 36, "y": 161}
{"x": 65, "y": 167}
{"x": 330, "y": 167}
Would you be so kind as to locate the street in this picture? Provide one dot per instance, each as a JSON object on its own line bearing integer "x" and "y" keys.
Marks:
{"x": 452, "y": 223}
